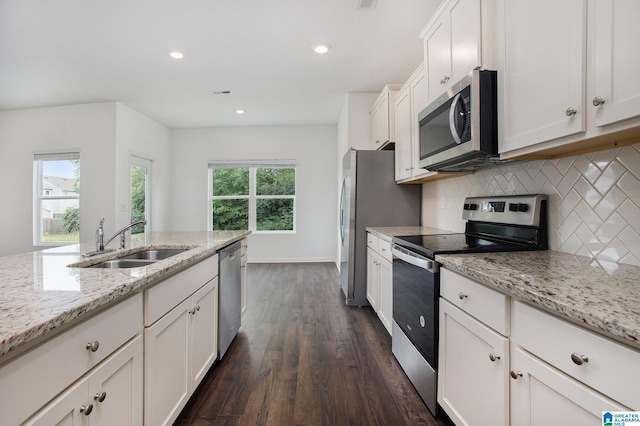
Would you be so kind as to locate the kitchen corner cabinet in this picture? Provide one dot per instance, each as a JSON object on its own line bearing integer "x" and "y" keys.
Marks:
{"x": 409, "y": 101}
{"x": 585, "y": 94}
{"x": 101, "y": 355}
{"x": 382, "y": 120}
{"x": 181, "y": 323}
{"x": 380, "y": 278}
{"x": 502, "y": 361}
{"x": 459, "y": 38}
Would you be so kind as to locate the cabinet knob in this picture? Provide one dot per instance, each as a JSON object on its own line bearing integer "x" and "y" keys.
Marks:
{"x": 100, "y": 396}
{"x": 579, "y": 359}
{"x": 515, "y": 374}
{"x": 462, "y": 296}
{"x": 444, "y": 79}
{"x": 192, "y": 311}
{"x": 597, "y": 101}
{"x": 494, "y": 357}
{"x": 407, "y": 169}
{"x": 571, "y": 111}
{"x": 86, "y": 409}
{"x": 93, "y": 346}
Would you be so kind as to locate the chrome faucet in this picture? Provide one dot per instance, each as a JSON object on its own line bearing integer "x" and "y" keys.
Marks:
{"x": 100, "y": 240}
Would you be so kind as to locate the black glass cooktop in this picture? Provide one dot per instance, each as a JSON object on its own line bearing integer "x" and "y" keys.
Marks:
{"x": 430, "y": 245}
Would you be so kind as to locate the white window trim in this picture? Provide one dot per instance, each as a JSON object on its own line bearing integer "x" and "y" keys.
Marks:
{"x": 252, "y": 197}
{"x": 38, "y": 158}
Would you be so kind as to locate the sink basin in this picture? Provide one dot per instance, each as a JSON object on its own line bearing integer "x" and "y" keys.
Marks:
{"x": 138, "y": 259}
{"x": 155, "y": 254}
{"x": 123, "y": 263}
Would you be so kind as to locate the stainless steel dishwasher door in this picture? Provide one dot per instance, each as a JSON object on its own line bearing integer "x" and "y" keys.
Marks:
{"x": 229, "y": 296}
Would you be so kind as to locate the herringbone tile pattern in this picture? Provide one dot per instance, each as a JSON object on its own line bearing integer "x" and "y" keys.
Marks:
{"x": 594, "y": 207}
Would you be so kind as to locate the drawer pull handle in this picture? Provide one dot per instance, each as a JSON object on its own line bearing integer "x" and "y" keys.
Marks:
{"x": 462, "y": 296}
{"x": 494, "y": 357}
{"x": 100, "y": 397}
{"x": 93, "y": 346}
{"x": 579, "y": 359}
{"x": 515, "y": 374}
{"x": 86, "y": 409}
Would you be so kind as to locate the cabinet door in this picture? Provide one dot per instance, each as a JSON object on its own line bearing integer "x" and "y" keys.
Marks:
{"x": 465, "y": 37}
{"x": 419, "y": 101}
{"x": 541, "y": 395}
{"x": 473, "y": 370}
{"x": 373, "y": 278}
{"x": 437, "y": 55}
{"x": 544, "y": 71}
{"x": 166, "y": 367}
{"x": 115, "y": 387}
{"x": 69, "y": 409}
{"x": 204, "y": 331}
{"x": 617, "y": 63}
{"x": 385, "y": 299}
{"x": 403, "y": 134}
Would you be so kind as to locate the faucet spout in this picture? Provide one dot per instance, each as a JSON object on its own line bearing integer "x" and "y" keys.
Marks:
{"x": 100, "y": 240}
{"x": 122, "y": 231}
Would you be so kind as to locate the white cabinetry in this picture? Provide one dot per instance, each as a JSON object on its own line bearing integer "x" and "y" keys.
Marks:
{"x": 111, "y": 394}
{"x": 578, "y": 97}
{"x": 459, "y": 38}
{"x": 409, "y": 101}
{"x": 243, "y": 275}
{"x": 380, "y": 278}
{"x": 180, "y": 340}
{"x": 89, "y": 358}
{"x": 382, "y": 127}
{"x": 473, "y": 385}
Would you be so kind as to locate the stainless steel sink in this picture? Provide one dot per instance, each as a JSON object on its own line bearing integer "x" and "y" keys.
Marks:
{"x": 122, "y": 263}
{"x": 138, "y": 259}
{"x": 155, "y": 254}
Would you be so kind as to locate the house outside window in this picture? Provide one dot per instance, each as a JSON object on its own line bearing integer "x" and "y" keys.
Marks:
{"x": 255, "y": 195}
{"x": 56, "y": 207}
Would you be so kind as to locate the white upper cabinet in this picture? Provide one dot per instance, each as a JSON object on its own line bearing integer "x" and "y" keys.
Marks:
{"x": 459, "y": 38}
{"x": 568, "y": 76}
{"x": 382, "y": 130}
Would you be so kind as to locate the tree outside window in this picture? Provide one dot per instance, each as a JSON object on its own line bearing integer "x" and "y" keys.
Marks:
{"x": 258, "y": 197}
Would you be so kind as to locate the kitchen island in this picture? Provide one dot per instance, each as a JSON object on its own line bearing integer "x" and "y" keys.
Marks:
{"x": 42, "y": 295}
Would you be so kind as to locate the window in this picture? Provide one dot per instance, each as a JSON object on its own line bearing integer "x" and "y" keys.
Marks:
{"x": 140, "y": 193}
{"x": 259, "y": 196}
{"x": 56, "y": 207}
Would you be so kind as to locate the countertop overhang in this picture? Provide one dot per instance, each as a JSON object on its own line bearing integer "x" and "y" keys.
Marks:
{"x": 42, "y": 295}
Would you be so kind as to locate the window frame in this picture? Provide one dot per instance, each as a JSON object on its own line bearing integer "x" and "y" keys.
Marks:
{"x": 39, "y": 197}
{"x": 252, "y": 197}
{"x": 136, "y": 160}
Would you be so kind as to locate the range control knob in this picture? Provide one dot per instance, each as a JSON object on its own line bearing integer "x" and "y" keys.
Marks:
{"x": 473, "y": 206}
{"x": 523, "y": 207}
{"x": 466, "y": 206}
{"x": 513, "y": 207}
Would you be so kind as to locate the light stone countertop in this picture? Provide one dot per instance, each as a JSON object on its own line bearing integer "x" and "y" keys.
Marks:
{"x": 603, "y": 296}
{"x": 42, "y": 295}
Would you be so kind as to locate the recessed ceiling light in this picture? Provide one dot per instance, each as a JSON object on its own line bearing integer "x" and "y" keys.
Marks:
{"x": 240, "y": 111}
{"x": 322, "y": 48}
{"x": 176, "y": 55}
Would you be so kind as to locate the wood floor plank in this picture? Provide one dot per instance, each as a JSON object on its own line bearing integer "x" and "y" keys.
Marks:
{"x": 303, "y": 357}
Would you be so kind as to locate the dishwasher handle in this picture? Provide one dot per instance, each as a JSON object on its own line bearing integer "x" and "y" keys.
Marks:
{"x": 414, "y": 259}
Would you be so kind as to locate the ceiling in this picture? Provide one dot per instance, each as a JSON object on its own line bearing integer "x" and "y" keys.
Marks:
{"x": 81, "y": 51}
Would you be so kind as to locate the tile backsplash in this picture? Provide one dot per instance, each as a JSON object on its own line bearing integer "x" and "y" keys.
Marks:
{"x": 594, "y": 200}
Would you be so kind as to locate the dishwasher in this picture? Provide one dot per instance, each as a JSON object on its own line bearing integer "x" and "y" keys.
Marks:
{"x": 229, "y": 296}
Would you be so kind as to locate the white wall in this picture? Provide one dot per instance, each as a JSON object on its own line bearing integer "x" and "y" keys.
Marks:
{"x": 313, "y": 148}
{"x": 594, "y": 200}
{"x": 139, "y": 135}
{"x": 91, "y": 128}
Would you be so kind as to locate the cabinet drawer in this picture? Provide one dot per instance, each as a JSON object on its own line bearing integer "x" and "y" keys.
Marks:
{"x": 40, "y": 374}
{"x": 384, "y": 249}
{"x": 479, "y": 301}
{"x": 610, "y": 367}
{"x": 372, "y": 241}
{"x": 164, "y": 296}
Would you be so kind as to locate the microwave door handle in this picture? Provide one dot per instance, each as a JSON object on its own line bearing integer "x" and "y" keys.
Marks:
{"x": 452, "y": 119}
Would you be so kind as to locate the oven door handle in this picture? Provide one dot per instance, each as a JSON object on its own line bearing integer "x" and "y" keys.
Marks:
{"x": 412, "y": 259}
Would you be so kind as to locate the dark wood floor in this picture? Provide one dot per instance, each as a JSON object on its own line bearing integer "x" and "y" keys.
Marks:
{"x": 303, "y": 357}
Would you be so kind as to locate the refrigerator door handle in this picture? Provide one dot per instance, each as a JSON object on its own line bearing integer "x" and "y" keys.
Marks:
{"x": 342, "y": 212}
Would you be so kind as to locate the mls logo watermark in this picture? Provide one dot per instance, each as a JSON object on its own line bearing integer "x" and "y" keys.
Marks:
{"x": 620, "y": 418}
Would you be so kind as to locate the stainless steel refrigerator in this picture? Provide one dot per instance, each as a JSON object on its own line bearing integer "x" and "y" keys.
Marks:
{"x": 370, "y": 197}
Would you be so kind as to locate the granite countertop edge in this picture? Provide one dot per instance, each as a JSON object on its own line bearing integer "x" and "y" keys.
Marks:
{"x": 20, "y": 330}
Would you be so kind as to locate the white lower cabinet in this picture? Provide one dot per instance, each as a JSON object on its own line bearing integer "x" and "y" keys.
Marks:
{"x": 542, "y": 396}
{"x": 110, "y": 395}
{"x": 473, "y": 370}
{"x": 179, "y": 349}
{"x": 385, "y": 295}
{"x": 380, "y": 279}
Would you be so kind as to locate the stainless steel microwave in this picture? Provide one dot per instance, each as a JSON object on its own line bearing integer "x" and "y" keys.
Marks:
{"x": 459, "y": 130}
